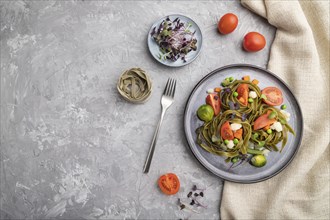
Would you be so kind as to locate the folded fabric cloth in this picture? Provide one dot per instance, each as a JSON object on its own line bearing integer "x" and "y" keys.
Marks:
{"x": 300, "y": 56}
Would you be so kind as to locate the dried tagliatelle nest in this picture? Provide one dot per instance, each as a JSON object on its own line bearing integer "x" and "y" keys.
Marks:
{"x": 135, "y": 85}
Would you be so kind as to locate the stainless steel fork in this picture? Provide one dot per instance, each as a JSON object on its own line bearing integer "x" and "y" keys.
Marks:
{"x": 166, "y": 101}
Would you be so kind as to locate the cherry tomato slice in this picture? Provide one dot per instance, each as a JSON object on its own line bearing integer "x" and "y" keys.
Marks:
{"x": 274, "y": 96}
{"x": 214, "y": 100}
{"x": 263, "y": 121}
{"x": 226, "y": 132}
{"x": 169, "y": 183}
{"x": 243, "y": 94}
{"x": 227, "y": 23}
{"x": 238, "y": 134}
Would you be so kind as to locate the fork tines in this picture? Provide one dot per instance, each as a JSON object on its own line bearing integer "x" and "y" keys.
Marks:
{"x": 170, "y": 87}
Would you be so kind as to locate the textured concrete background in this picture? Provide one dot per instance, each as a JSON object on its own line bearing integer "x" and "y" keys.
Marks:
{"x": 71, "y": 147}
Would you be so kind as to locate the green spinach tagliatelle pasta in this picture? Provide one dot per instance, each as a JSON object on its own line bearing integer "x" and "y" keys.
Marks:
{"x": 233, "y": 111}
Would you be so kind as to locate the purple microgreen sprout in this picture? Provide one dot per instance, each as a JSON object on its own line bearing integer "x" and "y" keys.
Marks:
{"x": 185, "y": 206}
{"x": 244, "y": 116}
{"x": 244, "y": 158}
{"x": 227, "y": 90}
{"x": 231, "y": 105}
{"x": 175, "y": 39}
{"x": 182, "y": 206}
{"x": 153, "y": 31}
{"x": 194, "y": 197}
{"x": 196, "y": 188}
{"x": 236, "y": 106}
{"x": 199, "y": 204}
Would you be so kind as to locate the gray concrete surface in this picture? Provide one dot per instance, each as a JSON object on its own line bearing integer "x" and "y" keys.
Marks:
{"x": 71, "y": 147}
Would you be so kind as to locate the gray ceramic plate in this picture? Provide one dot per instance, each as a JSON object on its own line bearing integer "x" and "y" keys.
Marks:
{"x": 191, "y": 56}
{"x": 245, "y": 173}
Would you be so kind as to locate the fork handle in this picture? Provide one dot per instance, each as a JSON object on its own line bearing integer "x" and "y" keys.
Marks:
{"x": 153, "y": 144}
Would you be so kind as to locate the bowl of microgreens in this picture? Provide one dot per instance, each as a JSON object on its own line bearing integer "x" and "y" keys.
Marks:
{"x": 175, "y": 40}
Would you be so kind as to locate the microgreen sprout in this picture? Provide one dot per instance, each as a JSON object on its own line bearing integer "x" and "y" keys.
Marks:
{"x": 242, "y": 158}
{"x": 193, "y": 199}
{"x": 244, "y": 116}
{"x": 188, "y": 26}
{"x": 183, "y": 205}
{"x": 175, "y": 39}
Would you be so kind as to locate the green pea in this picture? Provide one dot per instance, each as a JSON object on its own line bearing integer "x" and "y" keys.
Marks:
{"x": 235, "y": 94}
{"x": 226, "y": 142}
{"x": 234, "y": 159}
{"x": 261, "y": 143}
{"x": 255, "y": 135}
{"x": 250, "y": 100}
{"x": 283, "y": 106}
{"x": 231, "y": 79}
{"x": 272, "y": 115}
{"x": 235, "y": 141}
{"x": 269, "y": 131}
{"x": 225, "y": 82}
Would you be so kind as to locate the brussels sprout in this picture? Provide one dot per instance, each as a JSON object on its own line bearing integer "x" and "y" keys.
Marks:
{"x": 258, "y": 160}
{"x": 205, "y": 113}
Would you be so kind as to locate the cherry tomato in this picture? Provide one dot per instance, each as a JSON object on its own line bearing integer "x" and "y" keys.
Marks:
{"x": 226, "y": 132}
{"x": 169, "y": 183}
{"x": 214, "y": 100}
{"x": 227, "y": 23}
{"x": 254, "y": 41}
{"x": 263, "y": 121}
{"x": 238, "y": 134}
{"x": 274, "y": 96}
{"x": 243, "y": 94}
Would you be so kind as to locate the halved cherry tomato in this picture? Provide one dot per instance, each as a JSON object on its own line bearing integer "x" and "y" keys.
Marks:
{"x": 263, "y": 121}
{"x": 226, "y": 132}
{"x": 254, "y": 42}
{"x": 243, "y": 94}
{"x": 214, "y": 100}
{"x": 266, "y": 128}
{"x": 169, "y": 183}
{"x": 274, "y": 96}
{"x": 238, "y": 134}
{"x": 227, "y": 23}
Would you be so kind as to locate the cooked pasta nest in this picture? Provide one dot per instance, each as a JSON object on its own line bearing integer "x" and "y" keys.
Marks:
{"x": 208, "y": 135}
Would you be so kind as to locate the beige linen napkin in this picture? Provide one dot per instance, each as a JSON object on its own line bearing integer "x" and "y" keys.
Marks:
{"x": 300, "y": 56}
